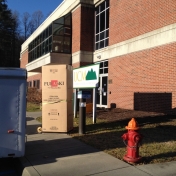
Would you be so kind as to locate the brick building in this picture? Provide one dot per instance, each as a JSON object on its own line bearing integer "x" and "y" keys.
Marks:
{"x": 134, "y": 42}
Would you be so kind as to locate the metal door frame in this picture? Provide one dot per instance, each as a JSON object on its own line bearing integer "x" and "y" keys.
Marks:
{"x": 100, "y": 78}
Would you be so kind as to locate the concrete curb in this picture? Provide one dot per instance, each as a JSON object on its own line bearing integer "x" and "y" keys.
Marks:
{"x": 26, "y": 169}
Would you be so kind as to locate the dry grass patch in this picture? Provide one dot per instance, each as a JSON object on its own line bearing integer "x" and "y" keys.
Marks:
{"x": 159, "y": 135}
{"x": 33, "y": 107}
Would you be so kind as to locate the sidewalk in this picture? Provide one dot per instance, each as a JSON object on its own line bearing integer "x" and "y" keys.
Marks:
{"x": 58, "y": 154}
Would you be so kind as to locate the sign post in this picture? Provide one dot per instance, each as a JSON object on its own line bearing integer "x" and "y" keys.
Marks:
{"x": 94, "y": 104}
{"x": 82, "y": 115}
{"x": 75, "y": 104}
{"x": 83, "y": 95}
{"x": 87, "y": 78}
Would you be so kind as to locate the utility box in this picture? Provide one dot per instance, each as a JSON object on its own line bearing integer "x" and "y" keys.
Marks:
{"x": 13, "y": 88}
{"x": 57, "y": 91}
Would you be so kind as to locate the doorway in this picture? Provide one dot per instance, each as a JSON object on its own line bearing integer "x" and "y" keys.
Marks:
{"x": 102, "y": 91}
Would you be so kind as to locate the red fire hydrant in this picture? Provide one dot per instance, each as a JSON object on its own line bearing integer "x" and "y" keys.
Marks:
{"x": 132, "y": 140}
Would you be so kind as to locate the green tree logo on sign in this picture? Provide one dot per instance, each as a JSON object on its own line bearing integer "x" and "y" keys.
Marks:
{"x": 91, "y": 75}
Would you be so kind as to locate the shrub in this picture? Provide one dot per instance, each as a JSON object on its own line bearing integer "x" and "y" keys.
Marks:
{"x": 34, "y": 95}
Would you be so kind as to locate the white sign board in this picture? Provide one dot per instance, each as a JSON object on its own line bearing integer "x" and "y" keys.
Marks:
{"x": 86, "y": 77}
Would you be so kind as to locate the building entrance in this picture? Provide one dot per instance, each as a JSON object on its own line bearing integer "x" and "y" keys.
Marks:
{"x": 102, "y": 91}
{"x": 103, "y": 85}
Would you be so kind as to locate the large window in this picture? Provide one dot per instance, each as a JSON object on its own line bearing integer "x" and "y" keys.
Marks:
{"x": 62, "y": 35}
{"x": 29, "y": 83}
{"x": 102, "y": 25}
{"x": 55, "y": 38}
{"x": 36, "y": 83}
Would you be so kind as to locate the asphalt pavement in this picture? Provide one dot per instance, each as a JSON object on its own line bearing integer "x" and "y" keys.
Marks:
{"x": 59, "y": 154}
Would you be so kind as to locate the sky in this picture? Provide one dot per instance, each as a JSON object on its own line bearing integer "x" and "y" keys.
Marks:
{"x": 30, "y": 6}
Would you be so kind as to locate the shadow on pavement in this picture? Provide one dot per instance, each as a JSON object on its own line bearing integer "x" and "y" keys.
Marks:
{"x": 30, "y": 118}
{"x": 8, "y": 166}
{"x": 48, "y": 151}
{"x": 32, "y": 129}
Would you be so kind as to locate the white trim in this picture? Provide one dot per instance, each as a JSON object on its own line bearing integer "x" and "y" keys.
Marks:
{"x": 32, "y": 73}
{"x": 44, "y": 60}
{"x": 102, "y": 106}
{"x": 149, "y": 40}
{"x": 82, "y": 56}
{"x": 79, "y": 5}
{"x": 50, "y": 58}
{"x": 23, "y": 52}
{"x": 98, "y": 2}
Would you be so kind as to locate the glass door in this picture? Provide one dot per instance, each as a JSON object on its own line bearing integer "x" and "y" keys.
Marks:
{"x": 102, "y": 91}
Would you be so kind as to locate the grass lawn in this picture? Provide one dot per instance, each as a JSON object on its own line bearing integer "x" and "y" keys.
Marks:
{"x": 159, "y": 135}
{"x": 32, "y": 107}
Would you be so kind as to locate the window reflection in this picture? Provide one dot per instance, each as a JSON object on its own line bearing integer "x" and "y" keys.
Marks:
{"x": 58, "y": 43}
{"x": 55, "y": 38}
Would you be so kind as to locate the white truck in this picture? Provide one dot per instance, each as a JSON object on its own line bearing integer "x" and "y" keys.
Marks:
{"x": 13, "y": 88}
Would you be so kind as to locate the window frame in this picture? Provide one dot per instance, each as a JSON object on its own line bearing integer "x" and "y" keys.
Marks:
{"x": 102, "y": 25}
{"x": 36, "y": 83}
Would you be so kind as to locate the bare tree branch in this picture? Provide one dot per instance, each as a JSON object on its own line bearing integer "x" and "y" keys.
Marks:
{"x": 26, "y": 23}
{"x": 37, "y": 18}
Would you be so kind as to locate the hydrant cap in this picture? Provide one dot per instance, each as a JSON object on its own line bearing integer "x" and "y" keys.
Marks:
{"x": 132, "y": 125}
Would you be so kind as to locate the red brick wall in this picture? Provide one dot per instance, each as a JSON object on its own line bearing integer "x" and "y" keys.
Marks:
{"x": 129, "y": 19}
{"x": 76, "y": 65}
{"x": 79, "y": 64}
{"x": 76, "y": 30}
{"x": 83, "y": 29}
{"x": 148, "y": 71}
{"x": 24, "y": 59}
{"x": 36, "y": 77}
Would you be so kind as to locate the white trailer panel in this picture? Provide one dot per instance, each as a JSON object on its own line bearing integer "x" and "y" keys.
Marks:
{"x": 12, "y": 112}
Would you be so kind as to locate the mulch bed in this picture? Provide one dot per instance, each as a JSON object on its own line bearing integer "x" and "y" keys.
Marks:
{"x": 118, "y": 114}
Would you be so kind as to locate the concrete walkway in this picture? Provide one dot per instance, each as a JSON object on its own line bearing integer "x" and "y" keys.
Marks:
{"x": 55, "y": 154}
